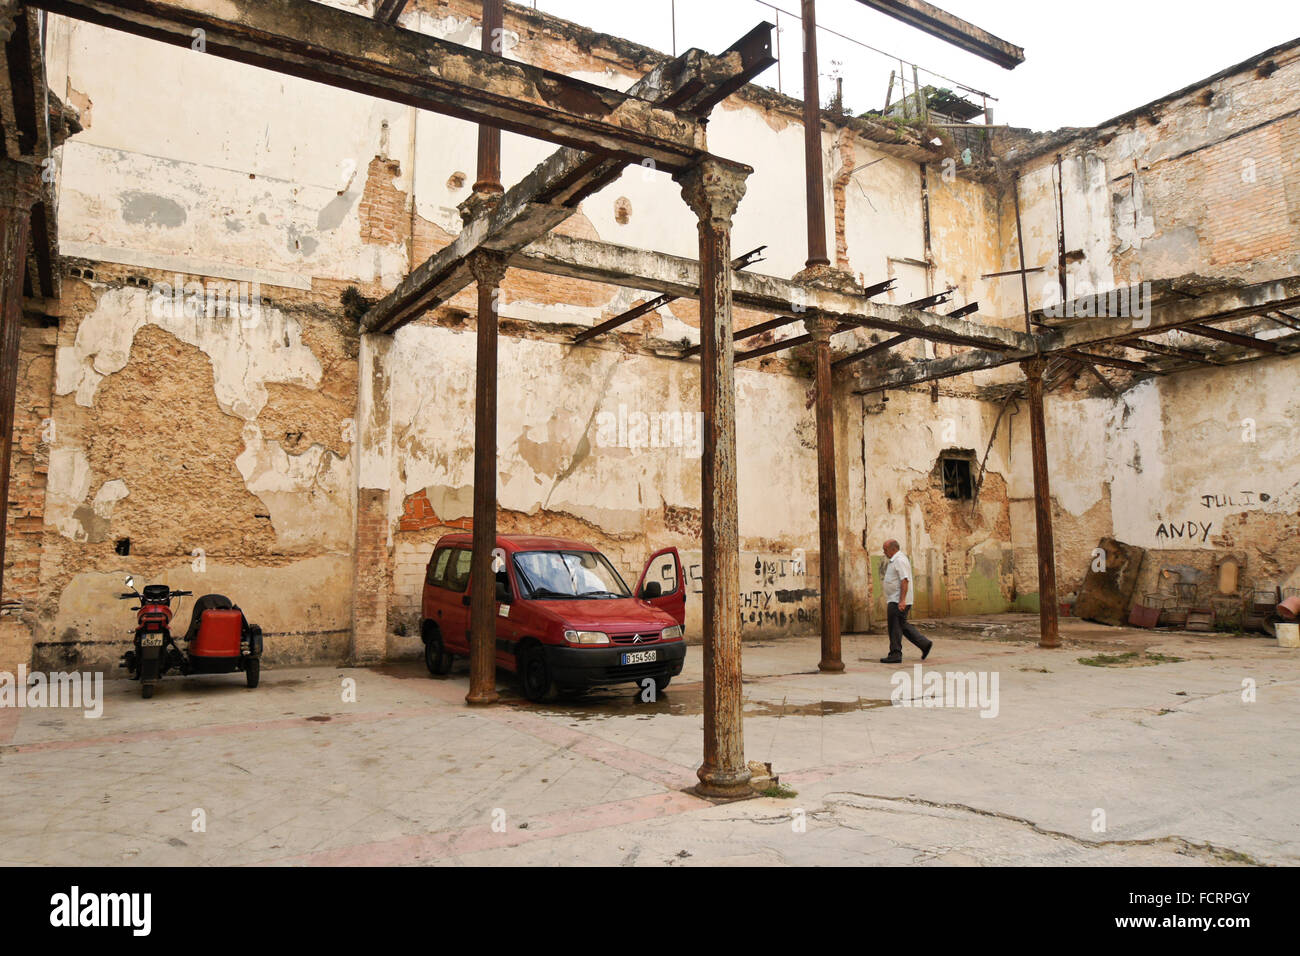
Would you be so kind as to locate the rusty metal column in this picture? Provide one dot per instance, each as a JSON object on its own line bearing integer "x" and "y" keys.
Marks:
{"x": 821, "y": 329}
{"x": 489, "y": 268}
{"x": 713, "y": 189}
{"x": 489, "y": 138}
{"x": 1049, "y": 635}
{"x": 812, "y": 141}
{"x": 19, "y": 190}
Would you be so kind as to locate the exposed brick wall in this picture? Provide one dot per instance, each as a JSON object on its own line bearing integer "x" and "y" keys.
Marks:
{"x": 383, "y": 211}
{"x": 418, "y": 514}
{"x": 370, "y": 591}
{"x": 29, "y": 466}
{"x": 1246, "y": 214}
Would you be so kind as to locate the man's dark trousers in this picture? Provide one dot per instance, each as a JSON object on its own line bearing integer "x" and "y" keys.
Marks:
{"x": 899, "y": 628}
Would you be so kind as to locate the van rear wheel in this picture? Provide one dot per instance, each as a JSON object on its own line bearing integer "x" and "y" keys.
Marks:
{"x": 535, "y": 675}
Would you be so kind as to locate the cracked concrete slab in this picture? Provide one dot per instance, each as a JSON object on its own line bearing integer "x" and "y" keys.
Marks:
{"x": 1178, "y": 763}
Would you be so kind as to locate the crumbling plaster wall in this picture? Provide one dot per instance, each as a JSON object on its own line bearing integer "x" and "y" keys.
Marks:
{"x": 1204, "y": 182}
{"x": 1207, "y": 183}
{"x": 279, "y": 429}
{"x": 204, "y": 452}
{"x": 960, "y": 550}
{"x": 1193, "y": 467}
{"x": 573, "y": 460}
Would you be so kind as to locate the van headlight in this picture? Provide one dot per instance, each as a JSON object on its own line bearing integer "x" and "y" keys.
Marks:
{"x": 673, "y": 633}
{"x": 586, "y": 637}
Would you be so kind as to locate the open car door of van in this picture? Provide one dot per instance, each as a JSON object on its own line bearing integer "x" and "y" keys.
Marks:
{"x": 663, "y": 584}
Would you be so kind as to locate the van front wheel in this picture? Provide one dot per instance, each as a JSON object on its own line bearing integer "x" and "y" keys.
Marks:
{"x": 535, "y": 675}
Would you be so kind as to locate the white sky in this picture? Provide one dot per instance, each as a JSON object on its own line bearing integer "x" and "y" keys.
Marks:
{"x": 1085, "y": 61}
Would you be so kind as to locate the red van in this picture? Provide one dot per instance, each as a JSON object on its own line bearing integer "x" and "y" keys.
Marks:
{"x": 565, "y": 619}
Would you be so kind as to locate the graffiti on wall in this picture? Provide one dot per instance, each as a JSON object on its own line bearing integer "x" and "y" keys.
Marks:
{"x": 1196, "y": 530}
{"x": 774, "y": 591}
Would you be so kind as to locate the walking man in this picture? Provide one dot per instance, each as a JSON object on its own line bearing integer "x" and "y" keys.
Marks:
{"x": 898, "y": 599}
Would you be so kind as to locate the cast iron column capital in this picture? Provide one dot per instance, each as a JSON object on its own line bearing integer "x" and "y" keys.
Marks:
{"x": 1034, "y": 367}
{"x": 820, "y": 327}
{"x": 713, "y": 189}
{"x": 488, "y": 267}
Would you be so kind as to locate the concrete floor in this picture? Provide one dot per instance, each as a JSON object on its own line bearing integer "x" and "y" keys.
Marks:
{"x": 1186, "y": 772}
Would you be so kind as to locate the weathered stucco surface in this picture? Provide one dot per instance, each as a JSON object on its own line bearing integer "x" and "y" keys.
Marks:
{"x": 306, "y": 471}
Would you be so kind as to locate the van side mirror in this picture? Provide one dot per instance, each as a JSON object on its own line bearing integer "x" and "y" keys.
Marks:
{"x": 652, "y": 589}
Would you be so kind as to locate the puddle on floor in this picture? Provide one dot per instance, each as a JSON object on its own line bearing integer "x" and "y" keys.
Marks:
{"x": 685, "y": 700}
{"x": 624, "y": 700}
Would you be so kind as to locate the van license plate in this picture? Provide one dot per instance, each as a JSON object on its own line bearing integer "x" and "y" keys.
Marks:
{"x": 640, "y": 657}
{"x": 151, "y": 640}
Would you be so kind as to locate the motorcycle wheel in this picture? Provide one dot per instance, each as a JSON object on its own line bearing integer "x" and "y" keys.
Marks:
{"x": 253, "y": 671}
{"x": 146, "y": 691}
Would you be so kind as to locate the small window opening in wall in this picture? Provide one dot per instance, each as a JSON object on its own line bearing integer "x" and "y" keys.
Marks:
{"x": 122, "y": 546}
{"x": 957, "y": 481}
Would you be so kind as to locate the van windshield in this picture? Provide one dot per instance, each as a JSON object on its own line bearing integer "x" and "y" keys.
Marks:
{"x": 568, "y": 574}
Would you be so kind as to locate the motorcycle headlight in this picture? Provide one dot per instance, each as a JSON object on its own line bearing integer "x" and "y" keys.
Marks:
{"x": 673, "y": 633}
{"x": 586, "y": 637}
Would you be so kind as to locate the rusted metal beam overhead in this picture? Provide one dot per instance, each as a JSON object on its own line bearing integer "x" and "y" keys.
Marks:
{"x": 1172, "y": 351}
{"x": 748, "y": 333}
{"x": 643, "y": 269}
{"x": 964, "y": 311}
{"x": 387, "y": 11}
{"x": 321, "y": 43}
{"x": 884, "y": 346}
{"x": 942, "y": 24}
{"x": 740, "y": 262}
{"x": 1113, "y": 362}
{"x": 549, "y": 194}
{"x": 1096, "y": 373}
{"x": 755, "y": 52}
{"x": 929, "y": 301}
{"x": 761, "y": 327}
{"x": 1218, "y": 306}
{"x": 552, "y": 192}
{"x": 780, "y": 346}
{"x": 1234, "y": 338}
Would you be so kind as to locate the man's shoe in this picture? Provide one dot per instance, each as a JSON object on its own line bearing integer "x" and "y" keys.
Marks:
{"x": 926, "y": 653}
{"x": 891, "y": 660}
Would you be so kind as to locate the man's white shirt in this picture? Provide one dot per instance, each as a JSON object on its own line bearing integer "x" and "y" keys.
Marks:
{"x": 897, "y": 569}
